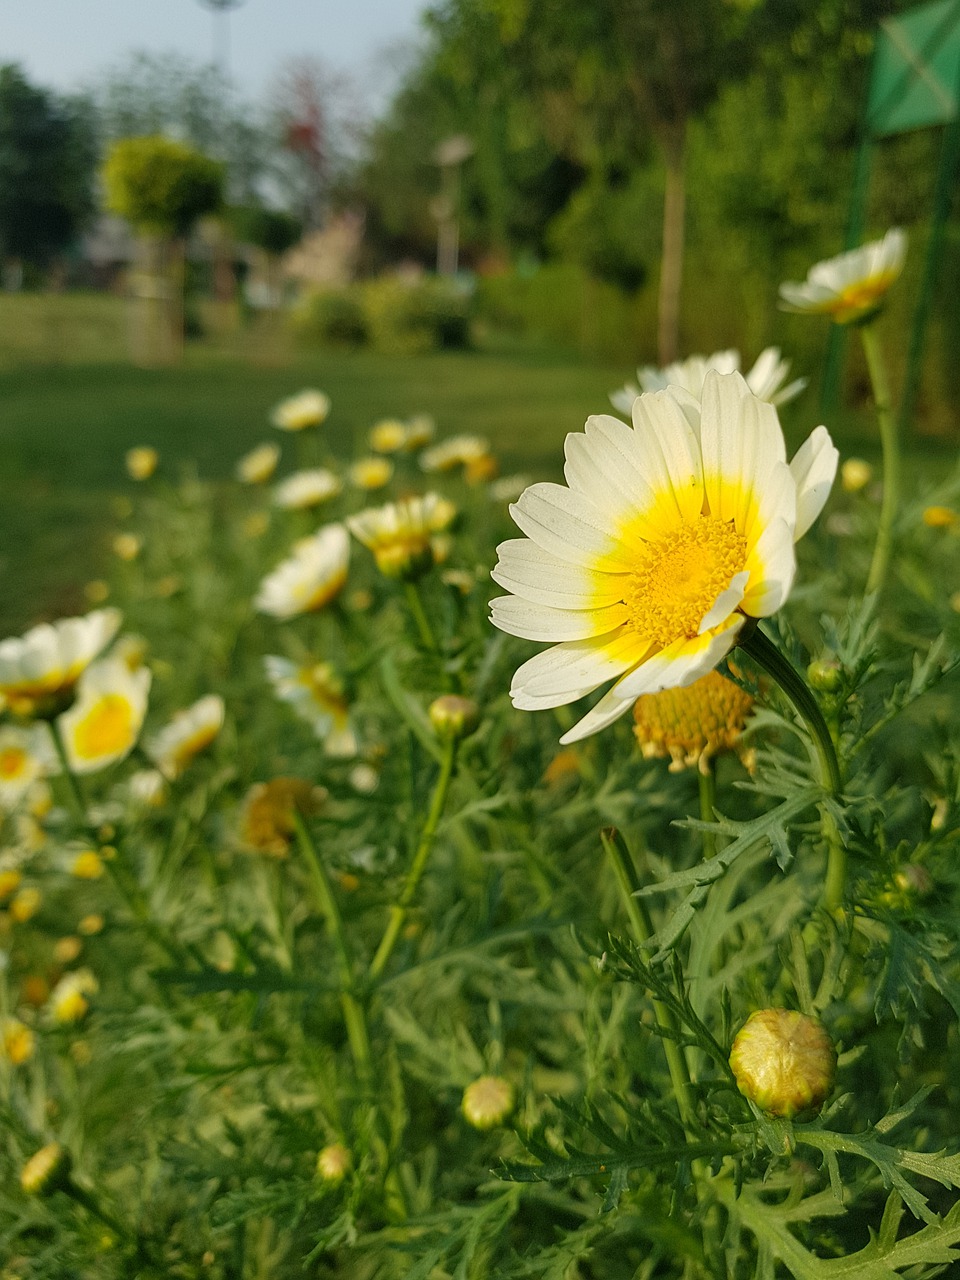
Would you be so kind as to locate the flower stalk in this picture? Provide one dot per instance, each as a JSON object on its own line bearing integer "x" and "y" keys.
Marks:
{"x": 890, "y": 445}
{"x": 398, "y": 912}
{"x": 768, "y": 658}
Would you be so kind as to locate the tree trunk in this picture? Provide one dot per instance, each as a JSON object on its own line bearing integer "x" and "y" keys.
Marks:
{"x": 674, "y": 143}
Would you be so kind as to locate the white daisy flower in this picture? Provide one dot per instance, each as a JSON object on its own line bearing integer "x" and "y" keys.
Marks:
{"x": 851, "y": 286}
{"x": 455, "y": 452}
{"x": 306, "y": 409}
{"x": 257, "y": 466}
{"x": 42, "y": 667}
{"x": 188, "y": 733}
{"x": 765, "y": 379}
{"x": 26, "y": 755}
{"x": 402, "y": 535}
{"x": 307, "y": 489}
{"x": 148, "y": 788}
{"x": 316, "y": 695}
{"x": 104, "y": 723}
{"x": 312, "y": 576}
{"x": 420, "y": 431}
{"x": 667, "y": 536}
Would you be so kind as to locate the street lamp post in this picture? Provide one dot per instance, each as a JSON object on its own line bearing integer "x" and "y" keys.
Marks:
{"x": 221, "y": 31}
{"x": 449, "y": 156}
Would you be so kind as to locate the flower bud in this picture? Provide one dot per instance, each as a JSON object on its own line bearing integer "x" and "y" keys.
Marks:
{"x": 914, "y": 879}
{"x": 855, "y": 474}
{"x": 453, "y": 717}
{"x": 824, "y": 675}
{"x": 784, "y": 1062}
{"x": 333, "y": 1163}
{"x": 488, "y": 1102}
{"x": 141, "y": 462}
{"x": 17, "y": 1041}
{"x": 47, "y": 1170}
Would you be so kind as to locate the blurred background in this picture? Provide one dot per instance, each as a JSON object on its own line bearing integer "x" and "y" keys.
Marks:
{"x": 491, "y": 211}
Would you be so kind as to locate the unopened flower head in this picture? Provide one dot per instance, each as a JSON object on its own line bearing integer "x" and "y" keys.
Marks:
{"x": 257, "y": 466}
{"x": 69, "y": 999}
{"x": 17, "y": 1041}
{"x": 855, "y": 474}
{"x": 188, "y": 733}
{"x": 66, "y": 950}
{"x": 307, "y": 489}
{"x": 940, "y": 517}
{"x": 268, "y": 818}
{"x": 38, "y": 671}
{"x": 141, "y": 462}
{"x": 667, "y": 536}
{"x": 26, "y": 755}
{"x": 10, "y": 881}
{"x": 692, "y": 724}
{"x": 25, "y": 904}
{"x": 371, "y": 473}
{"x": 388, "y": 436}
{"x": 488, "y": 1102}
{"x": 453, "y": 716}
{"x": 104, "y": 723}
{"x": 316, "y": 694}
{"x": 312, "y": 577}
{"x": 46, "y": 1170}
{"x": 765, "y": 379}
{"x": 306, "y": 409}
{"x": 457, "y": 451}
{"x": 87, "y": 865}
{"x": 851, "y": 287}
{"x": 784, "y": 1061}
{"x": 127, "y": 546}
{"x": 402, "y": 535}
{"x": 333, "y": 1163}
{"x": 420, "y": 431}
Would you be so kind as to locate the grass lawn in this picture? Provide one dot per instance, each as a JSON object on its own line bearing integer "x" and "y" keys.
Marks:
{"x": 70, "y": 406}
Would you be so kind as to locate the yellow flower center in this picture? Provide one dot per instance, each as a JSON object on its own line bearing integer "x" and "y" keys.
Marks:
{"x": 679, "y": 577}
{"x": 694, "y": 723}
{"x": 106, "y": 729}
{"x": 13, "y": 763}
{"x": 861, "y": 296}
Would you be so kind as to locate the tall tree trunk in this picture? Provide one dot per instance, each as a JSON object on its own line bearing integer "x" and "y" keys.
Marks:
{"x": 674, "y": 143}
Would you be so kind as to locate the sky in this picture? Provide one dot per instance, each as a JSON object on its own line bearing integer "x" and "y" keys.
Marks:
{"x": 64, "y": 44}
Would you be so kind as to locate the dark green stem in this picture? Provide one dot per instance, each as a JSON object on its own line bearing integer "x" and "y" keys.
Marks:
{"x": 73, "y": 785}
{"x": 398, "y": 912}
{"x": 707, "y": 782}
{"x": 642, "y": 928}
{"x": 353, "y": 1015}
{"x": 890, "y": 445}
{"x": 769, "y": 659}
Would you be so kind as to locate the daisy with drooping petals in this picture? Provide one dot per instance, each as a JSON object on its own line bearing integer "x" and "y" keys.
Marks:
{"x": 187, "y": 734}
{"x": 39, "y": 670}
{"x": 691, "y": 725}
{"x": 307, "y": 489}
{"x": 667, "y": 536}
{"x": 26, "y": 754}
{"x": 257, "y": 466}
{"x": 402, "y": 535}
{"x": 306, "y": 409}
{"x": 316, "y": 695}
{"x": 104, "y": 723}
{"x": 458, "y": 451}
{"x": 850, "y": 287}
{"x": 765, "y": 379}
{"x": 312, "y": 577}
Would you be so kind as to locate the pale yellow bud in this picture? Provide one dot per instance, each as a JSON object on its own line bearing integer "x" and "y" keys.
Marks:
{"x": 333, "y": 1163}
{"x": 141, "y": 462}
{"x": 488, "y": 1102}
{"x": 87, "y": 865}
{"x": 26, "y": 905}
{"x": 453, "y": 716}
{"x": 17, "y": 1040}
{"x": 855, "y": 474}
{"x": 784, "y": 1062}
{"x": 46, "y": 1170}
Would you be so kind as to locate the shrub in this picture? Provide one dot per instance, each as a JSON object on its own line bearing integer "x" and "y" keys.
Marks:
{"x": 332, "y": 317}
{"x": 406, "y": 318}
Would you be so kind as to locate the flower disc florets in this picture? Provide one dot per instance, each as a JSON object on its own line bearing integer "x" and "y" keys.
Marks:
{"x": 667, "y": 536}
{"x": 693, "y": 724}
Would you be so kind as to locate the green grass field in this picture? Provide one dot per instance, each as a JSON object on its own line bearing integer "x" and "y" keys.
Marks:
{"x": 71, "y": 404}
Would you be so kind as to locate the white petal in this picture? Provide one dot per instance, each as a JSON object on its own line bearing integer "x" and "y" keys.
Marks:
{"x": 682, "y": 662}
{"x": 569, "y": 526}
{"x": 536, "y": 575}
{"x": 608, "y": 709}
{"x": 772, "y": 563}
{"x": 671, "y": 459}
{"x": 726, "y": 602}
{"x": 567, "y": 671}
{"x": 814, "y": 468}
{"x": 540, "y": 622}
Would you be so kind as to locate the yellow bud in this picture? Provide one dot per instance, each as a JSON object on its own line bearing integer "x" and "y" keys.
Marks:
{"x": 333, "y": 1163}
{"x": 940, "y": 518}
{"x": 17, "y": 1040}
{"x": 825, "y": 675}
{"x": 127, "y": 546}
{"x": 26, "y": 905}
{"x": 784, "y": 1061}
{"x": 855, "y": 474}
{"x": 66, "y": 950}
{"x": 87, "y": 865}
{"x": 488, "y": 1102}
{"x": 453, "y": 717}
{"x": 141, "y": 462}
{"x": 46, "y": 1170}
{"x": 97, "y": 591}
{"x": 9, "y": 882}
{"x": 90, "y": 925}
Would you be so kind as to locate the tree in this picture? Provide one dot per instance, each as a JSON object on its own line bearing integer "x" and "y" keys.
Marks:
{"x": 47, "y": 167}
{"x": 162, "y": 188}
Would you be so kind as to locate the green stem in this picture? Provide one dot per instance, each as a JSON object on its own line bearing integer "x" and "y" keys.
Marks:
{"x": 420, "y": 618}
{"x": 353, "y": 1015}
{"x": 707, "y": 781}
{"x": 73, "y": 785}
{"x": 92, "y": 1206}
{"x": 769, "y": 659}
{"x": 398, "y": 912}
{"x": 890, "y": 445}
{"x": 642, "y": 927}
